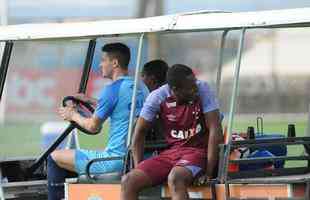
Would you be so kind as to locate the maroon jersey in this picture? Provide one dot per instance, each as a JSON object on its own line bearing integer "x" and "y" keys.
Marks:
{"x": 183, "y": 125}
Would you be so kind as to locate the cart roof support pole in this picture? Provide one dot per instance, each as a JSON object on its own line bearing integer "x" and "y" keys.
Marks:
{"x": 233, "y": 103}
{"x": 134, "y": 94}
{"x": 220, "y": 66}
{"x": 87, "y": 65}
{"x": 5, "y": 65}
{"x": 308, "y": 126}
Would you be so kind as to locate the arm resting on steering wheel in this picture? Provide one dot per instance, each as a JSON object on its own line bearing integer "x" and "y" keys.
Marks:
{"x": 92, "y": 124}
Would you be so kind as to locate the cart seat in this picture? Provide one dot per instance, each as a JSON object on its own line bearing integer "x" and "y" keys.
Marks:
{"x": 100, "y": 178}
{"x": 301, "y": 178}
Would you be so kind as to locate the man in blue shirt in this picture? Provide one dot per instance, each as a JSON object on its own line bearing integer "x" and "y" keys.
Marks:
{"x": 114, "y": 103}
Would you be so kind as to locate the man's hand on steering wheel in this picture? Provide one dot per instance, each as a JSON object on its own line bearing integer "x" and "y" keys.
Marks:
{"x": 77, "y": 111}
{"x": 67, "y": 112}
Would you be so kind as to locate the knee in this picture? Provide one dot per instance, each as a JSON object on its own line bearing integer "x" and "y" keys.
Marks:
{"x": 175, "y": 179}
{"x": 55, "y": 157}
{"x": 131, "y": 183}
{"x": 127, "y": 181}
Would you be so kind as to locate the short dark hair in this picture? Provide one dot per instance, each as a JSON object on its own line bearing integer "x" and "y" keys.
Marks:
{"x": 156, "y": 68}
{"x": 119, "y": 51}
{"x": 177, "y": 74}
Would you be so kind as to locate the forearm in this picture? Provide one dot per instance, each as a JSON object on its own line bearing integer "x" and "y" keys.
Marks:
{"x": 87, "y": 123}
{"x": 138, "y": 150}
{"x": 142, "y": 127}
{"x": 215, "y": 139}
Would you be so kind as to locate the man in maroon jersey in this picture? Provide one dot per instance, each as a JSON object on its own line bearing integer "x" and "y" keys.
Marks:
{"x": 190, "y": 115}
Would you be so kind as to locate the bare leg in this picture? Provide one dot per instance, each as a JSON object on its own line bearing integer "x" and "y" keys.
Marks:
{"x": 178, "y": 180}
{"x": 133, "y": 183}
{"x": 64, "y": 159}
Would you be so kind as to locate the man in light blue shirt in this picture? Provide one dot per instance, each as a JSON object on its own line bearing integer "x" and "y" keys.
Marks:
{"x": 114, "y": 103}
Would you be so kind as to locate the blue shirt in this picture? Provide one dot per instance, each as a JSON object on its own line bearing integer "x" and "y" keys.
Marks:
{"x": 115, "y": 102}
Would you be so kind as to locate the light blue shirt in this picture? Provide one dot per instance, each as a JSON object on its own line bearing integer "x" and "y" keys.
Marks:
{"x": 115, "y": 102}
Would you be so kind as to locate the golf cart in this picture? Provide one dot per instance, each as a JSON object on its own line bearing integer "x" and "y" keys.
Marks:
{"x": 270, "y": 180}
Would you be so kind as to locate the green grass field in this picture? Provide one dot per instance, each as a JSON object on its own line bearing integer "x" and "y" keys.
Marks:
{"x": 24, "y": 139}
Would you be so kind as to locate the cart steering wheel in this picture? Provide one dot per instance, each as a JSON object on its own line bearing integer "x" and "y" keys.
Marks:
{"x": 83, "y": 108}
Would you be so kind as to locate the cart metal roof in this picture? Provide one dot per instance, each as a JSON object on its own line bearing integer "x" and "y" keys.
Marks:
{"x": 184, "y": 22}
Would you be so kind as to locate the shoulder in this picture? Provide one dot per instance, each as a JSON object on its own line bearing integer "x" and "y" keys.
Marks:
{"x": 152, "y": 104}
{"x": 208, "y": 96}
{"x": 203, "y": 85}
{"x": 205, "y": 89}
{"x": 160, "y": 93}
{"x": 128, "y": 84}
{"x": 114, "y": 84}
{"x": 111, "y": 89}
{"x": 122, "y": 82}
